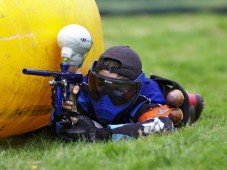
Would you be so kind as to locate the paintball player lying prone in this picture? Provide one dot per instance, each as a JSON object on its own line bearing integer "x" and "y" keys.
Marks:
{"x": 116, "y": 101}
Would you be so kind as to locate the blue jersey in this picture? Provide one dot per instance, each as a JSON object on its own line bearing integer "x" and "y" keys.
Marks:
{"x": 152, "y": 91}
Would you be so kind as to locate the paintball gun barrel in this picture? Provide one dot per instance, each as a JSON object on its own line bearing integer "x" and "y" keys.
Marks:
{"x": 77, "y": 77}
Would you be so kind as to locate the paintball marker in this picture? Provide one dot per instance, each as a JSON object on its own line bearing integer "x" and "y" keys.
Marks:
{"x": 75, "y": 41}
{"x": 63, "y": 82}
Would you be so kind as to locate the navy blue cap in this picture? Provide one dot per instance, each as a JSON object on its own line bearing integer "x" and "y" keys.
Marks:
{"x": 121, "y": 60}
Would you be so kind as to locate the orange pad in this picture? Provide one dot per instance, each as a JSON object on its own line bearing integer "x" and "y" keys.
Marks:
{"x": 161, "y": 111}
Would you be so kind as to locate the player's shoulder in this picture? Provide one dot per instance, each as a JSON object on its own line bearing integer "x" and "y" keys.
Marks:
{"x": 149, "y": 82}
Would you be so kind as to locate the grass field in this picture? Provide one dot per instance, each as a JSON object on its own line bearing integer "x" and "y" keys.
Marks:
{"x": 190, "y": 49}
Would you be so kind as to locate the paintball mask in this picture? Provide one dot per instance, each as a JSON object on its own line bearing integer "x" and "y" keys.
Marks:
{"x": 111, "y": 96}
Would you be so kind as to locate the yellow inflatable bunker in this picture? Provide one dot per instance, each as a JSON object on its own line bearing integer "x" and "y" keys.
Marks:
{"x": 28, "y": 31}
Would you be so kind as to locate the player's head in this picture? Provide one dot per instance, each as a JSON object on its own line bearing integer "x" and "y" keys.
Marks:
{"x": 115, "y": 82}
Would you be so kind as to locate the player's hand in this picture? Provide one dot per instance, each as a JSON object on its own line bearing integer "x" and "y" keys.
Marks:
{"x": 68, "y": 104}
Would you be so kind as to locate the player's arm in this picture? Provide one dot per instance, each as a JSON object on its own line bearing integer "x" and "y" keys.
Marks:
{"x": 135, "y": 130}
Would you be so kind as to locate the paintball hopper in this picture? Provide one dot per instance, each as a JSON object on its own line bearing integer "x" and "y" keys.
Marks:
{"x": 75, "y": 41}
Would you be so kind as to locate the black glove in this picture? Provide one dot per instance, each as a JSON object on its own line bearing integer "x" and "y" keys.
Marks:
{"x": 89, "y": 134}
{"x": 69, "y": 119}
{"x": 84, "y": 129}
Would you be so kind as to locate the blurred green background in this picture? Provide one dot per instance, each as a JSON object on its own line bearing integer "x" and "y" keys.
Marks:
{"x": 116, "y": 7}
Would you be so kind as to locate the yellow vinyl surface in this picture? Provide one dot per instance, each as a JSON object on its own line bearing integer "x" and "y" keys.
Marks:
{"x": 28, "y": 31}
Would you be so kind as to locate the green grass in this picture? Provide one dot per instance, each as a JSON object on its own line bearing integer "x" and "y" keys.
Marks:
{"x": 190, "y": 49}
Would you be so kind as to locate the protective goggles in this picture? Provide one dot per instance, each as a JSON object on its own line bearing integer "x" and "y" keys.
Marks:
{"x": 120, "y": 92}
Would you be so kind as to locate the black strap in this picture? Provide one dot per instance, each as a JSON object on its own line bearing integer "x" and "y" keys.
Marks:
{"x": 167, "y": 85}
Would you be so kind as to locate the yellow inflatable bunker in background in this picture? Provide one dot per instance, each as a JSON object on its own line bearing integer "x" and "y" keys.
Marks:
{"x": 28, "y": 31}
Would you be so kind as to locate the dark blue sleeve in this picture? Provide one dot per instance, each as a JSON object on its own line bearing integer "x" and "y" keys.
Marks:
{"x": 83, "y": 99}
{"x": 85, "y": 78}
{"x": 152, "y": 91}
{"x": 135, "y": 130}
